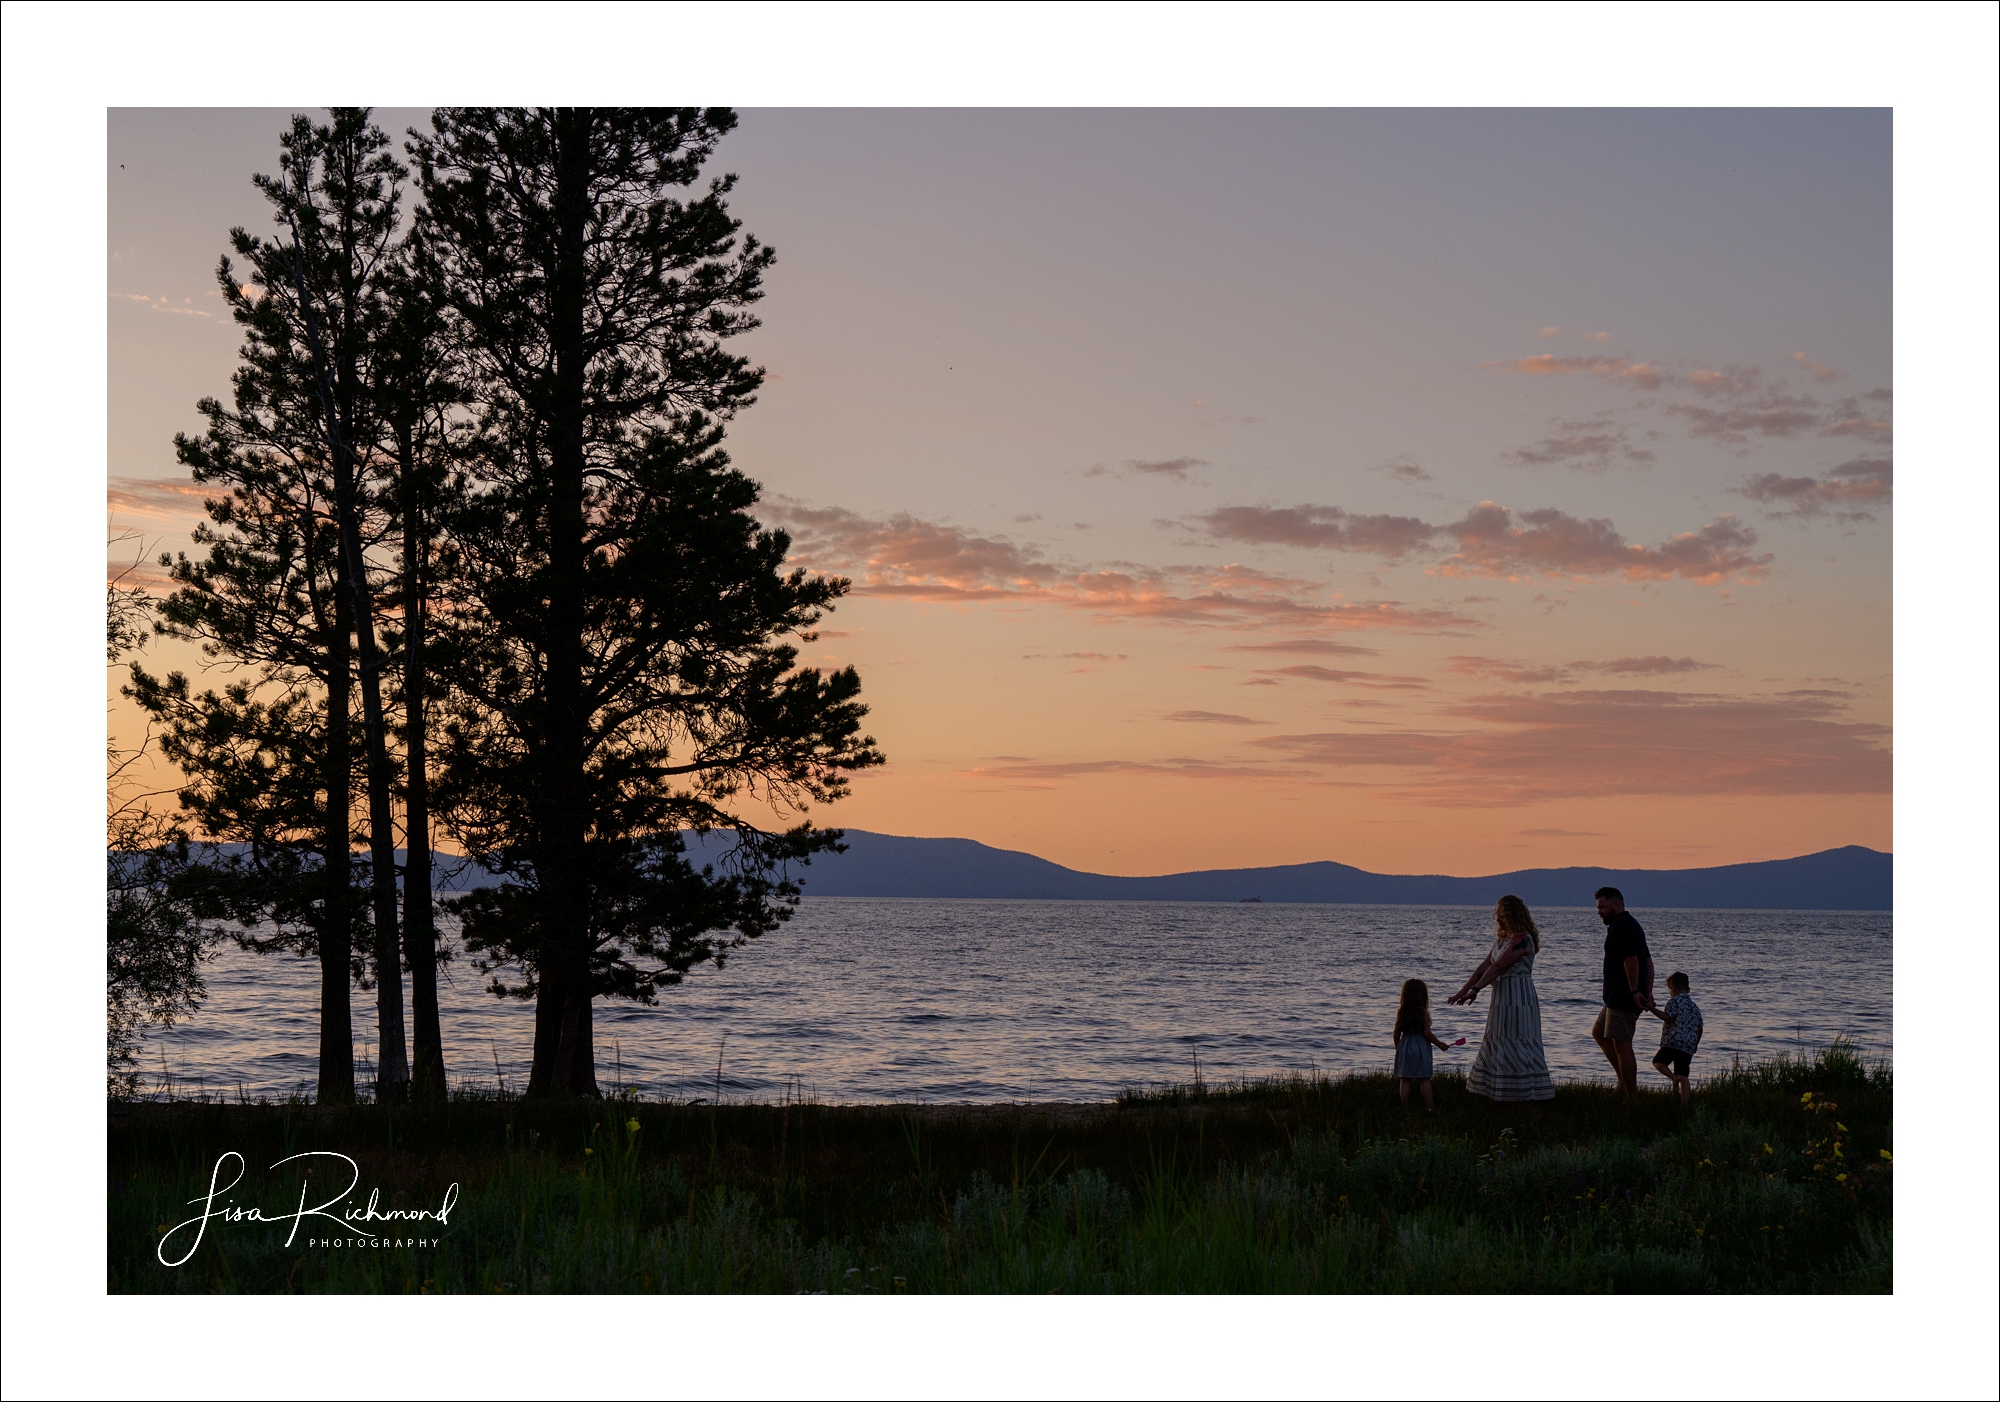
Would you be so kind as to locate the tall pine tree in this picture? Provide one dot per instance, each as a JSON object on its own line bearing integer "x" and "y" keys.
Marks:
{"x": 287, "y": 588}
{"x": 621, "y": 619}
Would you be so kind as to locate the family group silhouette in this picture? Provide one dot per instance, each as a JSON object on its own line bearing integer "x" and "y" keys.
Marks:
{"x": 1511, "y": 1064}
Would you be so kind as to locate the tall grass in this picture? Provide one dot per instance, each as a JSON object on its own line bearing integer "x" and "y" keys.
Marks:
{"x": 1294, "y": 1184}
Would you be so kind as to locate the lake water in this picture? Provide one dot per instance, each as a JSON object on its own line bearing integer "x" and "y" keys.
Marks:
{"x": 904, "y": 1000}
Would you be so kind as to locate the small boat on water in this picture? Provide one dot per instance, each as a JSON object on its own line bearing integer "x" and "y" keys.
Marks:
{"x": 1249, "y": 900}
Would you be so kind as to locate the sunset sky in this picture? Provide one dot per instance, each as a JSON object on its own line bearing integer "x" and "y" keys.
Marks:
{"x": 1446, "y": 492}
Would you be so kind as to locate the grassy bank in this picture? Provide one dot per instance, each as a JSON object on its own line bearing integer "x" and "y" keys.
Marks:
{"x": 1777, "y": 1180}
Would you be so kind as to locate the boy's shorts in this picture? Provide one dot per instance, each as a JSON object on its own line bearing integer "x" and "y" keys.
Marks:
{"x": 1615, "y": 1026}
{"x": 1676, "y": 1061}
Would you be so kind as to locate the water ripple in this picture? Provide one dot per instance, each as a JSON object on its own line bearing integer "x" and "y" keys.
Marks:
{"x": 898, "y": 1000}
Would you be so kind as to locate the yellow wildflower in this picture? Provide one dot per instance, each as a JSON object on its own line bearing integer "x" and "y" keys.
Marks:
{"x": 1806, "y": 1099}
{"x": 1886, "y": 1154}
{"x": 1840, "y": 1177}
{"x": 590, "y": 1151}
{"x": 632, "y": 1125}
{"x": 1839, "y": 1126}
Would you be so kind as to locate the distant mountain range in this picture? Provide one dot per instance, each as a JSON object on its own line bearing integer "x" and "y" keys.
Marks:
{"x": 876, "y": 864}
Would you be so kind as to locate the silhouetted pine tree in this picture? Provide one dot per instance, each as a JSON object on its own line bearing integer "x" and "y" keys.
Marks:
{"x": 286, "y": 586}
{"x": 619, "y": 617}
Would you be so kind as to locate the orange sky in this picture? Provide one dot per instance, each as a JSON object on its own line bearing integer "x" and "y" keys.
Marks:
{"x": 1425, "y": 491}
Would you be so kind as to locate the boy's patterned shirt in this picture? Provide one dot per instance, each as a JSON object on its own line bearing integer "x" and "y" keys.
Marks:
{"x": 1684, "y": 1032}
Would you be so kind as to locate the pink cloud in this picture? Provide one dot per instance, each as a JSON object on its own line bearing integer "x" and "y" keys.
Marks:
{"x": 175, "y": 500}
{"x": 1588, "y": 445}
{"x": 1520, "y": 674}
{"x": 1318, "y": 527}
{"x": 1212, "y": 718}
{"x": 1819, "y": 372}
{"x": 1372, "y": 681}
{"x": 1176, "y": 468}
{"x": 1645, "y": 666}
{"x": 1181, "y": 768}
{"x": 1771, "y": 415}
{"x": 1730, "y": 382}
{"x": 1606, "y": 744}
{"x": 1406, "y": 468}
{"x": 905, "y": 557}
{"x": 1863, "y": 416}
{"x": 1320, "y": 646}
{"x": 1497, "y": 543}
{"x": 1618, "y": 368}
{"x": 1527, "y": 674}
{"x": 1848, "y": 492}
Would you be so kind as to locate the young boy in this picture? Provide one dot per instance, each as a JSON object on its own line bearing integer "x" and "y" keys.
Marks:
{"x": 1680, "y": 1036}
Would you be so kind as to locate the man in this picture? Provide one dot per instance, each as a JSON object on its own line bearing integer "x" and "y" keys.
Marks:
{"x": 1628, "y": 988}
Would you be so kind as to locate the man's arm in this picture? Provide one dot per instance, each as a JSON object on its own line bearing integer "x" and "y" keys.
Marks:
{"x": 1632, "y": 977}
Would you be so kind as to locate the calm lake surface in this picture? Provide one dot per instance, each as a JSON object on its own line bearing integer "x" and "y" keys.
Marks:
{"x": 906, "y": 1000}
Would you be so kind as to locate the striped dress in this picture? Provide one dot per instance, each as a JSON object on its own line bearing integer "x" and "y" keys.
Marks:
{"x": 1510, "y": 1064}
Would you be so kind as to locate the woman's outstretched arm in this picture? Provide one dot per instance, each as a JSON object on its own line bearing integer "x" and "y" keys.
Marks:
{"x": 1470, "y": 988}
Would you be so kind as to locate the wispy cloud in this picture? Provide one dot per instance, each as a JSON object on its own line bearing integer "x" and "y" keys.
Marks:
{"x": 1588, "y": 445}
{"x": 1174, "y": 469}
{"x": 1405, "y": 468}
{"x": 1495, "y": 542}
{"x": 1370, "y": 681}
{"x": 1519, "y": 673}
{"x": 1558, "y": 673}
{"x": 1318, "y": 528}
{"x": 1864, "y": 416}
{"x": 184, "y": 307}
{"x": 1849, "y": 492}
{"x": 1636, "y": 373}
{"x": 1212, "y": 718}
{"x": 1604, "y": 744}
{"x": 166, "y": 499}
{"x": 1772, "y": 414}
{"x": 1646, "y": 666}
{"x": 906, "y": 557}
{"x": 1177, "y": 768}
{"x": 1308, "y": 646}
{"x": 1819, "y": 372}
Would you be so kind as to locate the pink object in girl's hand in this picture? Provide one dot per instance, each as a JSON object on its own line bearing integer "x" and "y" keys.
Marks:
{"x": 1459, "y": 1043}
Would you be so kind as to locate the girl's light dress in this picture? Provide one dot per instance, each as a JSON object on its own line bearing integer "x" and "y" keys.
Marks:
{"x": 1413, "y": 1057}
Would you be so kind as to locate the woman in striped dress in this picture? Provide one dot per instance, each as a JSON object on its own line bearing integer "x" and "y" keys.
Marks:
{"x": 1510, "y": 1064}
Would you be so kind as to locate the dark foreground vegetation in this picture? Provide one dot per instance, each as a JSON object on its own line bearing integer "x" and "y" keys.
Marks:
{"x": 1777, "y": 1180}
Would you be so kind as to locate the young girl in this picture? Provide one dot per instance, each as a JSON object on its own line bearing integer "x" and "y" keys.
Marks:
{"x": 1414, "y": 1040}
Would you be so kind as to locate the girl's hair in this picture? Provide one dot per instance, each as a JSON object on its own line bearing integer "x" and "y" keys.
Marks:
{"x": 1677, "y": 979}
{"x": 1512, "y": 913}
{"x": 1410, "y": 1013}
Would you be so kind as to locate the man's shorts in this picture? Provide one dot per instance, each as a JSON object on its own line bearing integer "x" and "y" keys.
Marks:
{"x": 1614, "y": 1026}
{"x": 1670, "y": 1060}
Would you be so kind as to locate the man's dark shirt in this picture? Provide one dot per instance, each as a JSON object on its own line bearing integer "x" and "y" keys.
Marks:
{"x": 1623, "y": 939}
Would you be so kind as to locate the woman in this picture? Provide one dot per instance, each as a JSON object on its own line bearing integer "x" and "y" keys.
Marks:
{"x": 1510, "y": 1065}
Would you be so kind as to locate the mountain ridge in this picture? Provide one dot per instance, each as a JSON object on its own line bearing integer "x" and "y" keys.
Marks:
{"x": 881, "y": 864}
{"x": 959, "y": 868}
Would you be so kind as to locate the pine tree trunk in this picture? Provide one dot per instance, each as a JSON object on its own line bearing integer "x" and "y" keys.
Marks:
{"x": 561, "y": 872}
{"x": 338, "y": 386}
{"x": 419, "y": 922}
{"x": 336, "y": 1022}
{"x": 392, "y": 1083}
